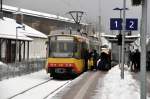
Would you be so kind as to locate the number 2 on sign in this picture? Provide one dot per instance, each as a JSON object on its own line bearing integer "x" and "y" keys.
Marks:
{"x": 132, "y": 24}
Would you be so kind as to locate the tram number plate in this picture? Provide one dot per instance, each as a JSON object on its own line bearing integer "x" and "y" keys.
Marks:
{"x": 60, "y": 70}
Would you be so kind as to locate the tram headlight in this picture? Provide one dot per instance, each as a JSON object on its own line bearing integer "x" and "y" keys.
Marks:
{"x": 67, "y": 65}
{"x": 70, "y": 65}
{"x": 50, "y": 64}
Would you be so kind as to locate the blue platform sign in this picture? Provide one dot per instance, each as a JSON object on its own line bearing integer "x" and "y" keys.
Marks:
{"x": 115, "y": 24}
{"x": 131, "y": 24}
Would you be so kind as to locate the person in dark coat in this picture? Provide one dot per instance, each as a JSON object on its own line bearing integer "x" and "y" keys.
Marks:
{"x": 137, "y": 60}
{"x": 105, "y": 60}
{"x": 90, "y": 54}
{"x": 95, "y": 58}
{"x": 148, "y": 60}
{"x": 86, "y": 57}
{"x": 133, "y": 61}
{"x": 129, "y": 58}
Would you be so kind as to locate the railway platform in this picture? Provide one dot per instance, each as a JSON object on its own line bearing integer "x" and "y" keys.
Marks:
{"x": 89, "y": 85}
{"x": 105, "y": 85}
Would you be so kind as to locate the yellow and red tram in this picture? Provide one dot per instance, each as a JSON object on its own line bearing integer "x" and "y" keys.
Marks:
{"x": 66, "y": 54}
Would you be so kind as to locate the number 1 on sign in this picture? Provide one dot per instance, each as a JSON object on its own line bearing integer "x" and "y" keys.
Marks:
{"x": 116, "y": 24}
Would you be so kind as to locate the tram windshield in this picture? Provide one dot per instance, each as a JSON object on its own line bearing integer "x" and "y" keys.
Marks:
{"x": 61, "y": 49}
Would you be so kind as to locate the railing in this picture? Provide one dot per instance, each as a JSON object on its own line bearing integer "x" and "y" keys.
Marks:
{"x": 21, "y": 68}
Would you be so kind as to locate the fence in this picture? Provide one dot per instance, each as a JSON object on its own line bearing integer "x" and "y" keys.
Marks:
{"x": 21, "y": 68}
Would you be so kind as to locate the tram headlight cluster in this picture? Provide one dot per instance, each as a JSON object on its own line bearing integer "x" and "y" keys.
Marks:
{"x": 60, "y": 64}
{"x": 52, "y": 64}
{"x": 68, "y": 65}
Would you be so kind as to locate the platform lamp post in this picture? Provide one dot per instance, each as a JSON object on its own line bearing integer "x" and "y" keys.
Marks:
{"x": 123, "y": 38}
{"x": 143, "y": 33}
{"x": 120, "y": 9}
{"x": 1, "y": 5}
{"x": 1, "y": 9}
{"x": 120, "y": 34}
{"x": 0, "y": 45}
{"x": 143, "y": 75}
{"x": 18, "y": 27}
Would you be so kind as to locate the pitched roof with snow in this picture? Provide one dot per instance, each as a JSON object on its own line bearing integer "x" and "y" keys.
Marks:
{"x": 28, "y": 31}
{"x": 8, "y": 30}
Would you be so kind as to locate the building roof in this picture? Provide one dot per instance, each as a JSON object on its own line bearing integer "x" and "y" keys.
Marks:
{"x": 36, "y": 13}
{"x": 8, "y": 30}
{"x": 28, "y": 31}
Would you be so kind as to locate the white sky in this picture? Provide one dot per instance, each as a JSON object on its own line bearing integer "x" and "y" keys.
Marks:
{"x": 91, "y": 7}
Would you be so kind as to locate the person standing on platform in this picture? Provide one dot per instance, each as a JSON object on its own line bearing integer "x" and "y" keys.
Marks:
{"x": 137, "y": 59}
{"x": 86, "y": 57}
{"x": 95, "y": 58}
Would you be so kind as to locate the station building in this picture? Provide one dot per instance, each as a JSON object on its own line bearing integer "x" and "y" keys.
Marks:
{"x": 24, "y": 33}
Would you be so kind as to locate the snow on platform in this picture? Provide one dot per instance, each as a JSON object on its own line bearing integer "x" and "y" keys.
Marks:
{"x": 113, "y": 86}
{"x": 116, "y": 88}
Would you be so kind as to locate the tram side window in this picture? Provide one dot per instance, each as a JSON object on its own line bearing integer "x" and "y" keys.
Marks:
{"x": 83, "y": 48}
{"x": 61, "y": 49}
{"x": 77, "y": 50}
{"x": 52, "y": 47}
{"x": 75, "y": 47}
{"x": 65, "y": 47}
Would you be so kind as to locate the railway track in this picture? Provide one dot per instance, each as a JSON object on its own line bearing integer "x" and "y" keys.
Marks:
{"x": 40, "y": 87}
{"x": 56, "y": 90}
{"x": 29, "y": 89}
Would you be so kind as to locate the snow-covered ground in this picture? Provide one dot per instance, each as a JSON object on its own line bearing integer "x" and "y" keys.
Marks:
{"x": 12, "y": 86}
{"x": 113, "y": 86}
{"x": 116, "y": 88}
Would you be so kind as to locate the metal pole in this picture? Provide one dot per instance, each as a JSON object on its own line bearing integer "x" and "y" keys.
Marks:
{"x": 123, "y": 39}
{"x": 100, "y": 25}
{"x": 1, "y": 5}
{"x": 119, "y": 55}
{"x": 143, "y": 50}
{"x": 120, "y": 45}
{"x": 28, "y": 51}
{"x": 1, "y": 10}
{"x": 16, "y": 43}
{"x": 1, "y": 72}
{"x": 100, "y": 31}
